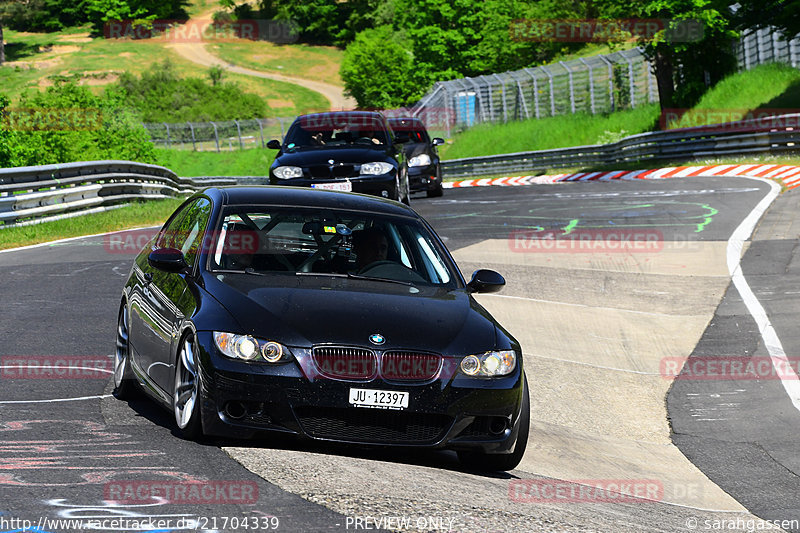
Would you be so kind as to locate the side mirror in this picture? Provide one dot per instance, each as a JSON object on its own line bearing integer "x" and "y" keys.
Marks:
{"x": 486, "y": 281}
{"x": 274, "y": 144}
{"x": 167, "y": 259}
{"x": 437, "y": 141}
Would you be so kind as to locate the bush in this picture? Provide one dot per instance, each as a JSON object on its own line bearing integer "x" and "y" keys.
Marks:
{"x": 161, "y": 96}
{"x": 68, "y": 123}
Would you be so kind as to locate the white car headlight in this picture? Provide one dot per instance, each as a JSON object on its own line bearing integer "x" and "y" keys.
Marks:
{"x": 490, "y": 364}
{"x": 420, "y": 160}
{"x": 247, "y": 348}
{"x": 285, "y": 173}
{"x": 376, "y": 168}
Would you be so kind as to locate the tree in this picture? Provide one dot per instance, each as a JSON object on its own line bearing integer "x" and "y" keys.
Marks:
{"x": 684, "y": 63}
{"x": 379, "y": 70}
{"x": 781, "y": 14}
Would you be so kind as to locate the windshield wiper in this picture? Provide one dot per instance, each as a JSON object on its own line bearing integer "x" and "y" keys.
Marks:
{"x": 386, "y": 280}
{"x": 355, "y": 276}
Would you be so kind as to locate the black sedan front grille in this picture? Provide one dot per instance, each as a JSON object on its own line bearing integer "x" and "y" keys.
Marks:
{"x": 373, "y": 425}
{"x": 335, "y": 171}
{"x": 343, "y": 362}
{"x": 410, "y": 366}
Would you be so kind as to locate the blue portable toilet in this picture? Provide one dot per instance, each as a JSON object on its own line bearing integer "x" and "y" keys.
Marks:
{"x": 466, "y": 103}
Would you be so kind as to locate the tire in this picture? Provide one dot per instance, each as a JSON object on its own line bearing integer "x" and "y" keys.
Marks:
{"x": 124, "y": 385}
{"x": 436, "y": 192}
{"x": 407, "y": 199}
{"x": 187, "y": 395}
{"x": 508, "y": 461}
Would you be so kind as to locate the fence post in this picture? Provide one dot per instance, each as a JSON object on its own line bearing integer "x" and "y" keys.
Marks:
{"x": 591, "y": 83}
{"x": 760, "y": 47}
{"x": 610, "y": 81}
{"x": 631, "y": 83}
{"x": 168, "y": 142}
{"x": 503, "y": 87}
{"x": 488, "y": 84}
{"x": 552, "y": 96}
{"x": 239, "y": 134}
{"x": 793, "y": 52}
{"x": 216, "y": 136}
{"x": 280, "y": 121}
{"x": 194, "y": 141}
{"x": 571, "y": 87}
{"x": 261, "y": 129}
{"x": 521, "y": 98}
{"x": 651, "y": 83}
{"x": 535, "y": 92}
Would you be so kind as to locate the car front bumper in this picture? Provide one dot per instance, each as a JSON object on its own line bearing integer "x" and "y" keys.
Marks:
{"x": 459, "y": 412}
{"x": 383, "y": 185}
{"x": 426, "y": 178}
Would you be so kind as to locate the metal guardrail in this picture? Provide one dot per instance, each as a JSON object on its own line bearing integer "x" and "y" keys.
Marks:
{"x": 771, "y": 135}
{"x": 54, "y": 191}
{"x": 34, "y": 194}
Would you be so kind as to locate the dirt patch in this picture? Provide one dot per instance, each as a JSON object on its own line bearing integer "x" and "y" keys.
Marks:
{"x": 279, "y": 103}
{"x": 59, "y": 49}
{"x": 76, "y": 38}
{"x": 100, "y": 78}
{"x": 125, "y": 54}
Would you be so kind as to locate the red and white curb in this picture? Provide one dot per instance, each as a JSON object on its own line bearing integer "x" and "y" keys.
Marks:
{"x": 786, "y": 175}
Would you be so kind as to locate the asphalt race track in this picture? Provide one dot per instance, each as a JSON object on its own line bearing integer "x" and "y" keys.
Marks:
{"x": 601, "y": 327}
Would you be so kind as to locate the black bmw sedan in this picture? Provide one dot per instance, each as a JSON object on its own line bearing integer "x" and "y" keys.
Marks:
{"x": 321, "y": 315}
{"x": 422, "y": 156}
{"x": 343, "y": 151}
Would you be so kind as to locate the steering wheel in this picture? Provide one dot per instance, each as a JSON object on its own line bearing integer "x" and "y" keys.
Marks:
{"x": 376, "y": 264}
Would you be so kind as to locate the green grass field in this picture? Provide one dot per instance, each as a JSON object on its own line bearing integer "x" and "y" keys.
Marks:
{"x": 252, "y": 162}
{"x": 551, "y": 132}
{"x": 36, "y": 60}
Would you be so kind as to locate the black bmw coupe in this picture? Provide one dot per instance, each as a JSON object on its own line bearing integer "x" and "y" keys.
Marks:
{"x": 322, "y": 315}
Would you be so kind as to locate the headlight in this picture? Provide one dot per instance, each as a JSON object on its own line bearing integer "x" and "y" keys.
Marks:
{"x": 376, "y": 168}
{"x": 285, "y": 173}
{"x": 420, "y": 160}
{"x": 490, "y": 364}
{"x": 247, "y": 348}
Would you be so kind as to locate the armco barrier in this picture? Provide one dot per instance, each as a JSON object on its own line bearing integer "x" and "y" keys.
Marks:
{"x": 50, "y": 191}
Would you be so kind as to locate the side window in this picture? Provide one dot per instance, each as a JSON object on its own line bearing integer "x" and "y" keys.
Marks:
{"x": 185, "y": 230}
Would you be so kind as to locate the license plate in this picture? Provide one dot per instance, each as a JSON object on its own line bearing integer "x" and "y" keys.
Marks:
{"x": 345, "y": 186}
{"x": 378, "y": 399}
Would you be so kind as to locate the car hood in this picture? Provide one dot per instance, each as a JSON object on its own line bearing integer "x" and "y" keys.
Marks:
{"x": 415, "y": 149}
{"x": 305, "y": 157}
{"x": 304, "y": 311}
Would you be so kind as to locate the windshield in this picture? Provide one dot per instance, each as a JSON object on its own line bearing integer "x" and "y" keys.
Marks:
{"x": 281, "y": 241}
{"x": 336, "y": 129}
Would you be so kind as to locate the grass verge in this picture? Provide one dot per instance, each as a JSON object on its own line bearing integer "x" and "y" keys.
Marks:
{"x": 146, "y": 213}
{"x": 552, "y": 132}
{"x": 186, "y": 163}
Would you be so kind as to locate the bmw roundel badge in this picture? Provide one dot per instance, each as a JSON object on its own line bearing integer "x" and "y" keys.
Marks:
{"x": 377, "y": 338}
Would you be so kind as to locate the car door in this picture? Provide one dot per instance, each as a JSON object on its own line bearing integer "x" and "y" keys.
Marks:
{"x": 159, "y": 308}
